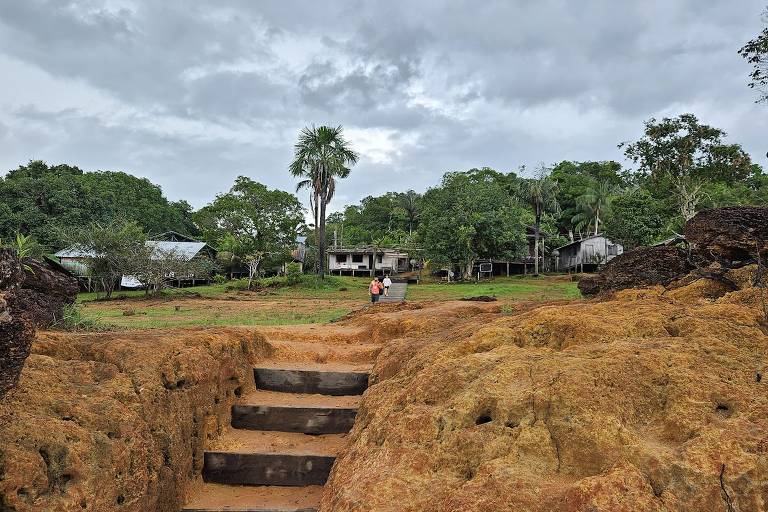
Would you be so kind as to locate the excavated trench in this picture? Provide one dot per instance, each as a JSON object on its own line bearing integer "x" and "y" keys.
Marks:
{"x": 131, "y": 420}
{"x": 649, "y": 401}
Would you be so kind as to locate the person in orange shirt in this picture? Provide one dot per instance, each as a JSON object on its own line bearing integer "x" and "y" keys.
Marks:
{"x": 375, "y": 288}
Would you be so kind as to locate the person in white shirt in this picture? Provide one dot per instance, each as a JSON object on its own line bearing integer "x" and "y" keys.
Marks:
{"x": 387, "y": 284}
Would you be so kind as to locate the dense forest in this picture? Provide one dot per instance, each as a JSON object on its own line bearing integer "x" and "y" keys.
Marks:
{"x": 678, "y": 167}
{"x": 48, "y": 202}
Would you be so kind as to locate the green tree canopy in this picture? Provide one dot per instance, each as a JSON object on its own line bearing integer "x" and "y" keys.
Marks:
{"x": 47, "y": 201}
{"x": 682, "y": 147}
{"x": 390, "y": 219}
{"x": 575, "y": 179}
{"x": 677, "y": 158}
{"x": 637, "y": 219}
{"x": 756, "y": 53}
{"x": 472, "y": 215}
{"x": 252, "y": 221}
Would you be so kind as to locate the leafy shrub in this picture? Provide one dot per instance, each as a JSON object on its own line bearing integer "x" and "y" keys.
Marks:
{"x": 507, "y": 309}
{"x": 238, "y": 284}
{"x": 72, "y": 320}
{"x": 293, "y": 274}
{"x": 219, "y": 279}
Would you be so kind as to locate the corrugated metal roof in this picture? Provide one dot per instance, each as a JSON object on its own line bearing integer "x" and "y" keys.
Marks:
{"x": 74, "y": 251}
{"x": 186, "y": 249}
{"x": 581, "y": 240}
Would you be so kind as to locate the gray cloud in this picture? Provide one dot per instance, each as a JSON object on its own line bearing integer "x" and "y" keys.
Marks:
{"x": 192, "y": 94}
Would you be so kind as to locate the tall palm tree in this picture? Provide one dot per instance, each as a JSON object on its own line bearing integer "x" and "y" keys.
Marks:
{"x": 541, "y": 194}
{"x": 320, "y": 157}
{"x": 409, "y": 202}
{"x": 584, "y": 218}
{"x": 595, "y": 202}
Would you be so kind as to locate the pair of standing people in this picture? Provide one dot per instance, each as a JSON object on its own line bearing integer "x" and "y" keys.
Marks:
{"x": 376, "y": 288}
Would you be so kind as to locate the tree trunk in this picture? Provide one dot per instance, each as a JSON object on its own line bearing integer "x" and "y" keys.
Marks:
{"x": 373, "y": 261}
{"x": 108, "y": 288}
{"x": 597, "y": 223}
{"x": 321, "y": 244}
{"x": 316, "y": 215}
{"x": 468, "y": 269}
{"x": 536, "y": 246}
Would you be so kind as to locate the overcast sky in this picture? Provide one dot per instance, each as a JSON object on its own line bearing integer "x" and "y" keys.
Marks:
{"x": 191, "y": 94}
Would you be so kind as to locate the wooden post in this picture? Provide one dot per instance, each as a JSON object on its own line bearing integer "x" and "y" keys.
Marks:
{"x": 507, "y": 269}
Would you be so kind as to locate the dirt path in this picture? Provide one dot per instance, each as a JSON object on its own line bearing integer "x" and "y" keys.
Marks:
{"x": 287, "y": 433}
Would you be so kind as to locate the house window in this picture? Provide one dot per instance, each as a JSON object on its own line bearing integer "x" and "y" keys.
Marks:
{"x": 380, "y": 258}
{"x": 341, "y": 258}
{"x": 611, "y": 250}
{"x": 357, "y": 258}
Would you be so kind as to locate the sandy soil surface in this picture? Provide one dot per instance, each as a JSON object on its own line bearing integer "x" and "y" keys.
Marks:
{"x": 273, "y": 398}
{"x": 259, "y": 441}
{"x": 217, "y": 497}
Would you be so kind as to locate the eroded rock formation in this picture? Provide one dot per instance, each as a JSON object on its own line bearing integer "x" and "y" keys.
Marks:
{"x": 718, "y": 240}
{"x": 645, "y": 266}
{"x": 44, "y": 292}
{"x": 653, "y": 401}
{"x": 118, "y": 421}
{"x": 732, "y": 234}
{"x": 16, "y": 332}
{"x": 32, "y": 294}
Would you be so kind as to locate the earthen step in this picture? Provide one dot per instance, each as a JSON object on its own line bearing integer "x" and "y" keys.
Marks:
{"x": 235, "y": 498}
{"x": 286, "y": 412}
{"x": 320, "y": 353}
{"x": 291, "y": 443}
{"x": 334, "y": 379}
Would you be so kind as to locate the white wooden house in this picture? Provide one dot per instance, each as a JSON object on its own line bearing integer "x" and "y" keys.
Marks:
{"x": 367, "y": 261}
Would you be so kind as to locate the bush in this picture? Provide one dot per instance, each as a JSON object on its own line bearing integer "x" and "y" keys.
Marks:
{"x": 293, "y": 274}
{"x": 72, "y": 320}
{"x": 219, "y": 279}
{"x": 238, "y": 284}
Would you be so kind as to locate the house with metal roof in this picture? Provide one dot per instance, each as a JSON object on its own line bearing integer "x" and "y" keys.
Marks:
{"x": 75, "y": 258}
{"x": 174, "y": 236}
{"x": 187, "y": 250}
{"x": 586, "y": 254}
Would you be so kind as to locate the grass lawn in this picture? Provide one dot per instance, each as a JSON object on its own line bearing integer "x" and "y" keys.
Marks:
{"x": 311, "y": 301}
{"x": 167, "y": 316}
{"x": 345, "y": 287}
